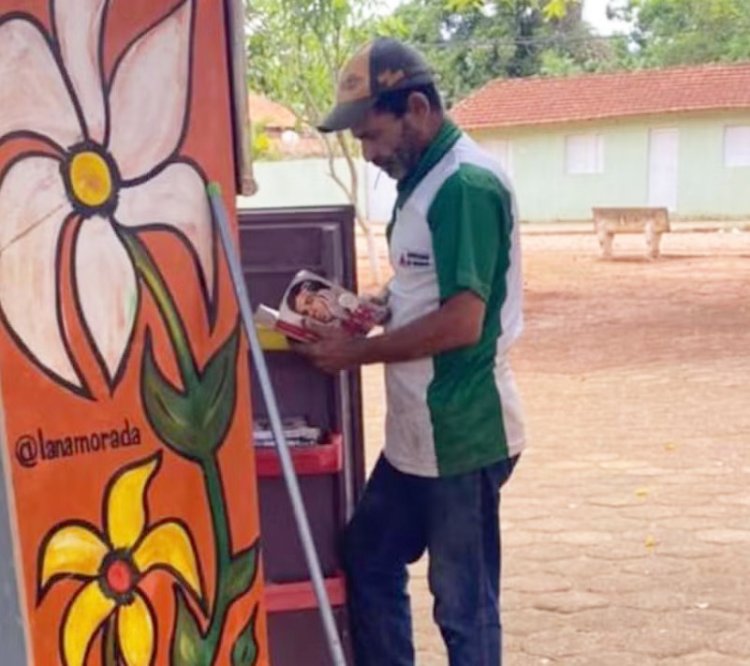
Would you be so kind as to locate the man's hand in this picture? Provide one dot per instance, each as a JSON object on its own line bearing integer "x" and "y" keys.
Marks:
{"x": 380, "y": 298}
{"x": 335, "y": 349}
{"x": 456, "y": 323}
{"x": 380, "y": 301}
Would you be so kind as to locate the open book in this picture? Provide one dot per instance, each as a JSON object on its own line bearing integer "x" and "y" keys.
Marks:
{"x": 312, "y": 296}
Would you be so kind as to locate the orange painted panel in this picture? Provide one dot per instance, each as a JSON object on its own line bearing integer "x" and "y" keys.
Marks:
{"x": 125, "y": 392}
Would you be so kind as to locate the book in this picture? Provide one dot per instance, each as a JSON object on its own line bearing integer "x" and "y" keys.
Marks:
{"x": 297, "y": 432}
{"x": 309, "y": 295}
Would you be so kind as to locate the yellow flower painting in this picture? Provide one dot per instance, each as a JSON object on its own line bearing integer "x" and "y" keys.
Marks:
{"x": 112, "y": 562}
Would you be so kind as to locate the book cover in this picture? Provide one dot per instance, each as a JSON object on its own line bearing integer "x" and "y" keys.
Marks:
{"x": 314, "y": 297}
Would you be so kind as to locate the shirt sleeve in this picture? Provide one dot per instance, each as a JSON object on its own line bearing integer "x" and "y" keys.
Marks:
{"x": 470, "y": 220}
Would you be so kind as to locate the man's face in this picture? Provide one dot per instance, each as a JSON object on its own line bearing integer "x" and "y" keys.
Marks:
{"x": 390, "y": 143}
{"x": 313, "y": 305}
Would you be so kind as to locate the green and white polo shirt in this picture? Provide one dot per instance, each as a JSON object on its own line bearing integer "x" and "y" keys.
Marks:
{"x": 455, "y": 228}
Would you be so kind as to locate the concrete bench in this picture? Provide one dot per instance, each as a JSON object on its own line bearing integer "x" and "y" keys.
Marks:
{"x": 652, "y": 222}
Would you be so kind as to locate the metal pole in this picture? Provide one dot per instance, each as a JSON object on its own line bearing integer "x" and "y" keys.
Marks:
{"x": 303, "y": 526}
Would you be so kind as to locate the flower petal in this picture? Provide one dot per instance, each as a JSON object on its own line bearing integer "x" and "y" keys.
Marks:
{"x": 135, "y": 632}
{"x": 169, "y": 545}
{"x": 78, "y": 26}
{"x": 83, "y": 618}
{"x": 32, "y": 89}
{"x": 107, "y": 291}
{"x": 33, "y": 209}
{"x": 175, "y": 197}
{"x": 126, "y": 502}
{"x": 149, "y": 95}
{"x": 73, "y": 549}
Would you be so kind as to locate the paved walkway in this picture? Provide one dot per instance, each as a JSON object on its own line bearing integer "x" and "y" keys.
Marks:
{"x": 627, "y": 525}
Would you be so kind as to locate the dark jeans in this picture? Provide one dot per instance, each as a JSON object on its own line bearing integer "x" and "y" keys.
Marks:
{"x": 456, "y": 519}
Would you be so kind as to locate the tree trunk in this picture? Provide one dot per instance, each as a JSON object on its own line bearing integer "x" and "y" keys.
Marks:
{"x": 351, "y": 193}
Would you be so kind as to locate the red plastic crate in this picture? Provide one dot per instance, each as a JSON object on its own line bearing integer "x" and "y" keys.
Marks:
{"x": 301, "y": 596}
{"x": 309, "y": 460}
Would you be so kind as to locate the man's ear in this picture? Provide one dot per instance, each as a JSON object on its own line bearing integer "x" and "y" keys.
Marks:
{"x": 418, "y": 105}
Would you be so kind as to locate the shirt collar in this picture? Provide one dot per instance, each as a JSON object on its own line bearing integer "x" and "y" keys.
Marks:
{"x": 444, "y": 140}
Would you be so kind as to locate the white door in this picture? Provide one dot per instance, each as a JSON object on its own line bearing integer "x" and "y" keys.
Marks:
{"x": 662, "y": 168}
{"x": 502, "y": 151}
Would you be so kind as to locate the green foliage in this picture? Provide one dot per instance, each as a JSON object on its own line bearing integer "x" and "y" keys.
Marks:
{"x": 555, "y": 9}
{"x": 688, "y": 32}
{"x": 192, "y": 422}
{"x": 470, "y": 42}
{"x": 188, "y": 648}
{"x": 297, "y": 47}
{"x": 261, "y": 146}
{"x": 241, "y": 573}
{"x": 191, "y": 646}
{"x": 245, "y": 650}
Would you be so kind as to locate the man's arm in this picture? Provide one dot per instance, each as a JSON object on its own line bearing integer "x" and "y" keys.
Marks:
{"x": 456, "y": 323}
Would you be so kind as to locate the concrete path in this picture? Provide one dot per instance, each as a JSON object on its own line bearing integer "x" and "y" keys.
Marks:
{"x": 626, "y": 527}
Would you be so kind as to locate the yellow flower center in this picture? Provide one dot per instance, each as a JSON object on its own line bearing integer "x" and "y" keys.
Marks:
{"x": 90, "y": 178}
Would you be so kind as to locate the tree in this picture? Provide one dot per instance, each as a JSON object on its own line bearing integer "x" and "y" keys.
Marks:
{"x": 470, "y": 42}
{"x": 295, "y": 51}
{"x": 687, "y": 32}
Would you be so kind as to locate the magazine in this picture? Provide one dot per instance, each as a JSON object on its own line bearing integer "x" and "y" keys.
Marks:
{"x": 312, "y": 296}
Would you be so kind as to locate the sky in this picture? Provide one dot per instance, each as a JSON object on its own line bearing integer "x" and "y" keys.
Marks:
{"x": 595, "y": 13}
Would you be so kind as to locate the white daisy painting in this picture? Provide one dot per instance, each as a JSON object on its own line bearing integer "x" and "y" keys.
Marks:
{"x": 124, "y": 387}
{"x": 111, "y": 166}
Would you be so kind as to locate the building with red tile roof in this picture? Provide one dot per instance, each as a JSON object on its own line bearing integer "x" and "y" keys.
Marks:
{"x": 676, "y": 137}
{"x": 547, "y": 100}
{"x": 268, "y": 113}
{"x": 288, "y": 137}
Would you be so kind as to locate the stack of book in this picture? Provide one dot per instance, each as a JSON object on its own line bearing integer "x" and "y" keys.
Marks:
{"x": 297, "y": 432}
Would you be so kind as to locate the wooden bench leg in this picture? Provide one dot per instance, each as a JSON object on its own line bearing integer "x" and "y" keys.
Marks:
{"x": 652, "y": 239}
{"x": 605, "y": 242}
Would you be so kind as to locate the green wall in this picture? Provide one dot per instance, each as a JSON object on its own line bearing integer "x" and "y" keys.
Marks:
{"x": 308, "y": 183}
{"x": 706, "y": 188}
{"x": 302, "y": 182}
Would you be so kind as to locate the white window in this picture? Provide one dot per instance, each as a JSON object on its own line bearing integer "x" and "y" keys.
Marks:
{"x": 584, "y": 153}
{"x": 737, "y": 146}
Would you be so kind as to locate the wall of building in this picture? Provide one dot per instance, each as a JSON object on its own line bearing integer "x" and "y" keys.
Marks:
{"x": 707, "y": 187}
{"x": 308, "y": 182}
{"x": 535, "y": 159}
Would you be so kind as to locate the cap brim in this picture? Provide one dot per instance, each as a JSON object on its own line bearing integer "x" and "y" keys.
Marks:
{"x": 345, "y": 115}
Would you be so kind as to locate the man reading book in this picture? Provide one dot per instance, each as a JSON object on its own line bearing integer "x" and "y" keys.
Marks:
{"x": 454, "y": 429}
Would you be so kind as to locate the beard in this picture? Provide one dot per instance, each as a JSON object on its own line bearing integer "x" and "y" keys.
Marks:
{"x": 406, "y": 157}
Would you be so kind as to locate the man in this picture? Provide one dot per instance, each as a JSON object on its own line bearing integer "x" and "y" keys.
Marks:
{"x": 453, "y": 424}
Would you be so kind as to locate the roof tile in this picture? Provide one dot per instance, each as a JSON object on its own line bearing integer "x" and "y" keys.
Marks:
{"x": 267, "y": 112}
{"x": 540, "y": 100}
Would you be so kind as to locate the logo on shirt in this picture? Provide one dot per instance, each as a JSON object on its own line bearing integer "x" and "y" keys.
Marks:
{"x": 420, "y": 259}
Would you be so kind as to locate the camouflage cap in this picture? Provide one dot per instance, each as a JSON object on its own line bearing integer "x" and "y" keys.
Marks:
{"x": 381, "y": 66}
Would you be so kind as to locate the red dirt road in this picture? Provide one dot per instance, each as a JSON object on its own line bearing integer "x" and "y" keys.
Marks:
{"x": 627, "y": 525}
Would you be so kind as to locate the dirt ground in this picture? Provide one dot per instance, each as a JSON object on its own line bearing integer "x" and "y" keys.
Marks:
{"x": 626, "y": 528}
